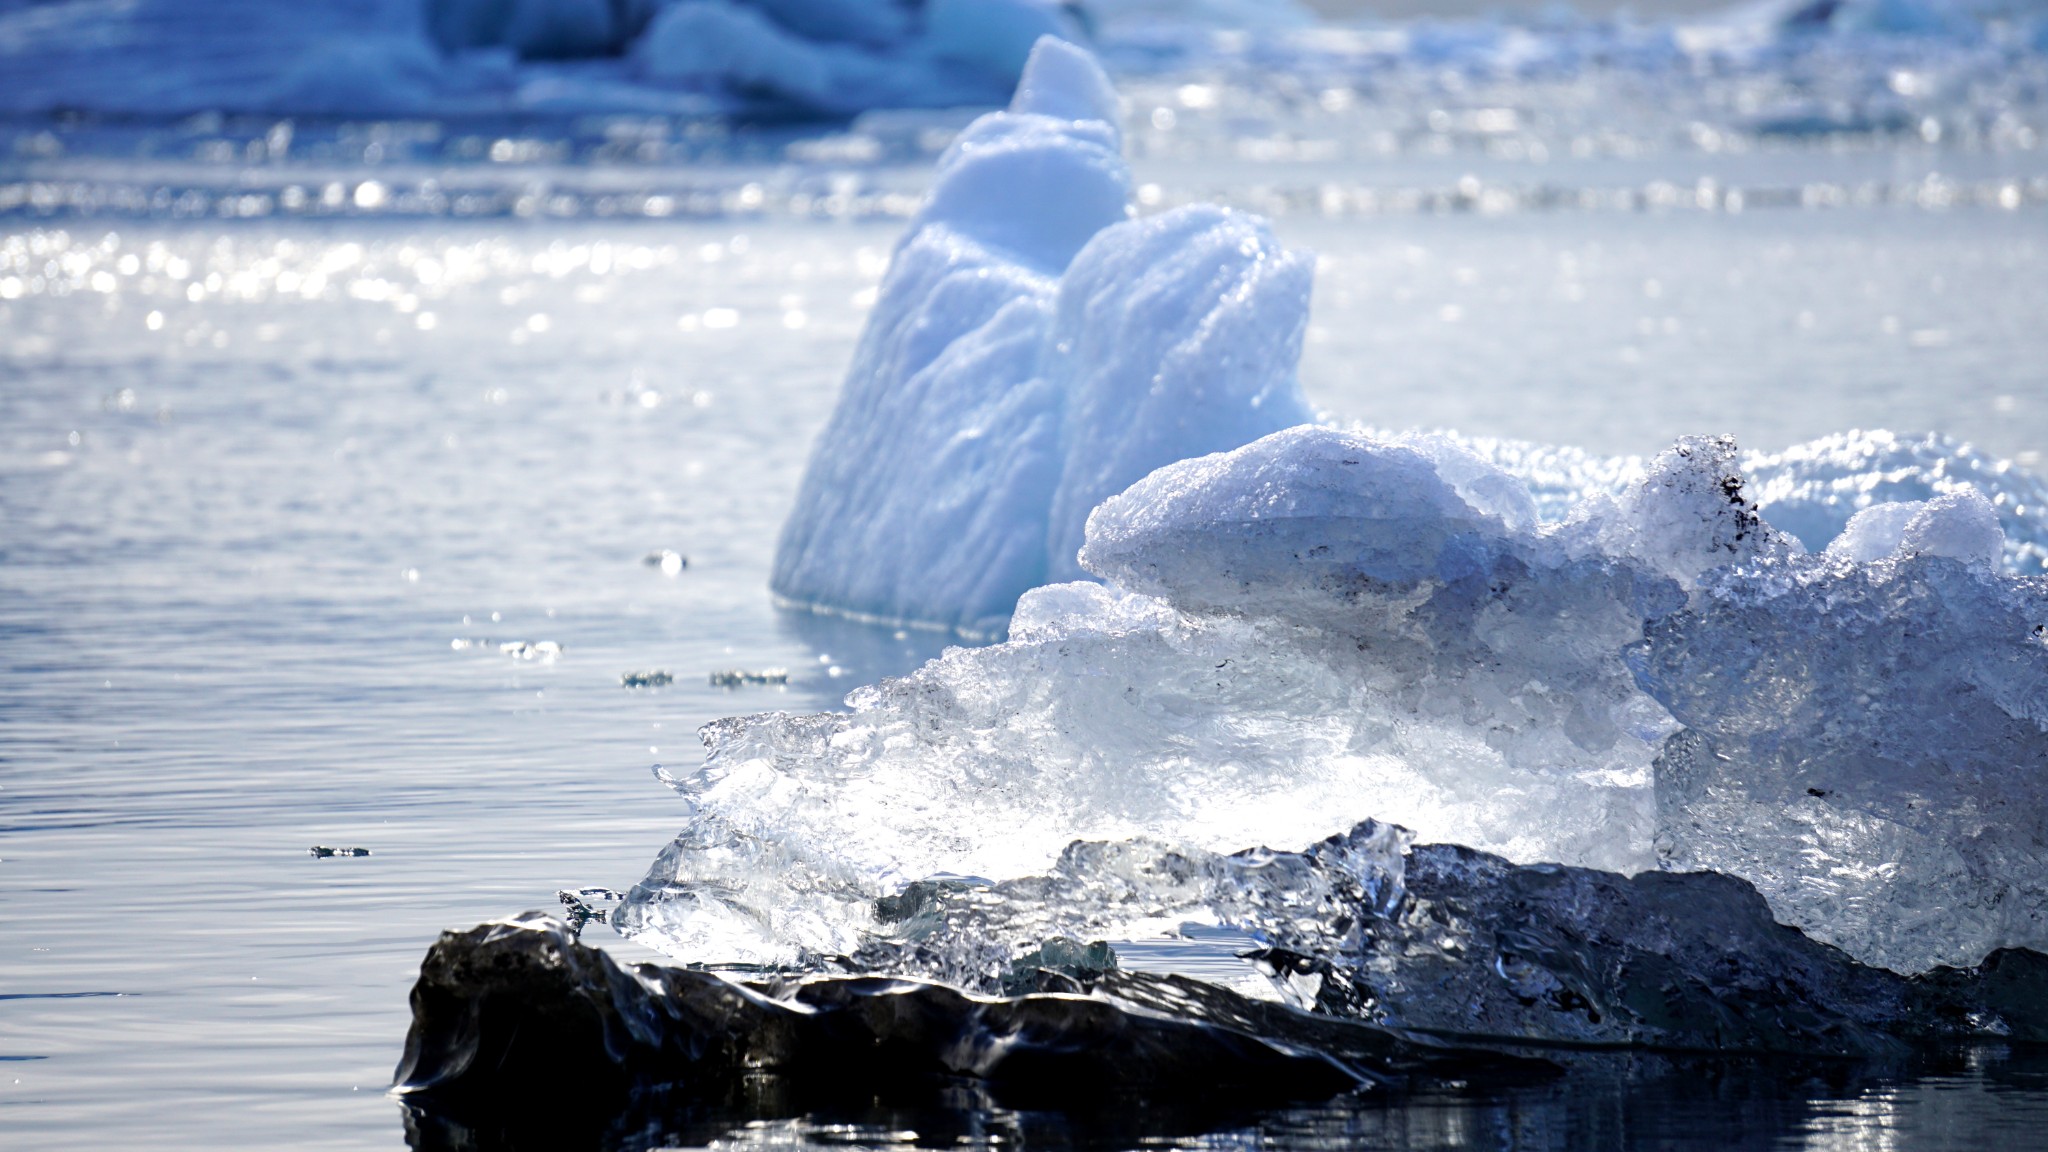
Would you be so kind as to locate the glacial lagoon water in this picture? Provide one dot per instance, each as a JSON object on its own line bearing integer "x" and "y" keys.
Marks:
{"x": 335, "y": 530}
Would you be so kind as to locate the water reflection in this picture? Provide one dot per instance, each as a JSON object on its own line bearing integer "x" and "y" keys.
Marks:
{"x": 1610, "y": 1103}
{"x": 851, "y": 653}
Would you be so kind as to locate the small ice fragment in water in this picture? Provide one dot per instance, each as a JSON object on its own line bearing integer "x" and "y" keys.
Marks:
{"x": 650, "y": 679}
{"x": 669, "y": 562}
{"x": 587, "y": 905}
{"x": 322, "y": 851}
{"x": 738, "y": 677}
{"x": 544, "y": 651}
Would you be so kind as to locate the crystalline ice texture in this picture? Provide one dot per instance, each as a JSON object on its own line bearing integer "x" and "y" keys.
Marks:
{"x": 1811, "y": 490}
{"x": 1308, "y": 631}
{"x": 1443, "y": 939}
{"x": 1322, "y": 627}
{"x": 1865, "y": 742}
{"x": 1031, "y": 353}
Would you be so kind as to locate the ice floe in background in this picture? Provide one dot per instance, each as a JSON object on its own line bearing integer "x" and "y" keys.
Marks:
{"x": 838, "y": 57}
{"x": 457, "y": 57}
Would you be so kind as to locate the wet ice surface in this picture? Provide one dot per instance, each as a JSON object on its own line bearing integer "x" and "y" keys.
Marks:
{"x": 218, "y": 654}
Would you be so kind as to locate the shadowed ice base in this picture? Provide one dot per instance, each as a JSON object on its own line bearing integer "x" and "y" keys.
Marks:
{"x": 1578, "y": 990}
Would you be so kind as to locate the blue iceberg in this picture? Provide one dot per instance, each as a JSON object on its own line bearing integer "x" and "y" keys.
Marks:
{"x": 1033, "y": 351}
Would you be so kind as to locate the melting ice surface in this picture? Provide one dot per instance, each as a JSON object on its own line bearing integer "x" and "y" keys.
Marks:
{"x": 1823, "y": 672}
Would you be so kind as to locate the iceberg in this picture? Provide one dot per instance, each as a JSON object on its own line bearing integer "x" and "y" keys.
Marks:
{"x": 1034, "y": 350}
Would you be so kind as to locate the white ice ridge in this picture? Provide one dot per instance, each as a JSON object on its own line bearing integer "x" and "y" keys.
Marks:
{"x": 1812, "y": 490}
{"x": 1034, "y": 351}
{"x": 1325, "y": 626}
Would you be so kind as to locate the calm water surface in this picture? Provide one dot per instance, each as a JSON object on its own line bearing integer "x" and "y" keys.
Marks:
{"x": 276, "y": 496}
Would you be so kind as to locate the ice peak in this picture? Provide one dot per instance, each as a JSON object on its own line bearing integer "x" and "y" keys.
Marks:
{"x": 1034, "y": 350}
{"x": 1064, "y": 81}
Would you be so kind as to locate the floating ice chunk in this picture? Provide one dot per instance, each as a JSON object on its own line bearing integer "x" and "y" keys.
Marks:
{"x": 1319, "y": 627}
{"x": 353, "y": 76}
{"x": 859, "y": 21}
{"x": 843, "y": 58}
{"x": 1031, "y": 352}
{"x": 1314, "y": 627}
{"x": 1812, "y": 490}
{"x": 716, "y": 45}
{"x": 1881, "y": 17}
{"x": 537, "y": 29}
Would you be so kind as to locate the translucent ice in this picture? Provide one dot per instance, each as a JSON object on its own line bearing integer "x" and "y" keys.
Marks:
{"x": 1445, "y": 940}
{"x": 1866, "y": 742}
{"x": 1315, "y": 628}
{"x": 1324, "y": 626}
{"x": 1032, "y": 352}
